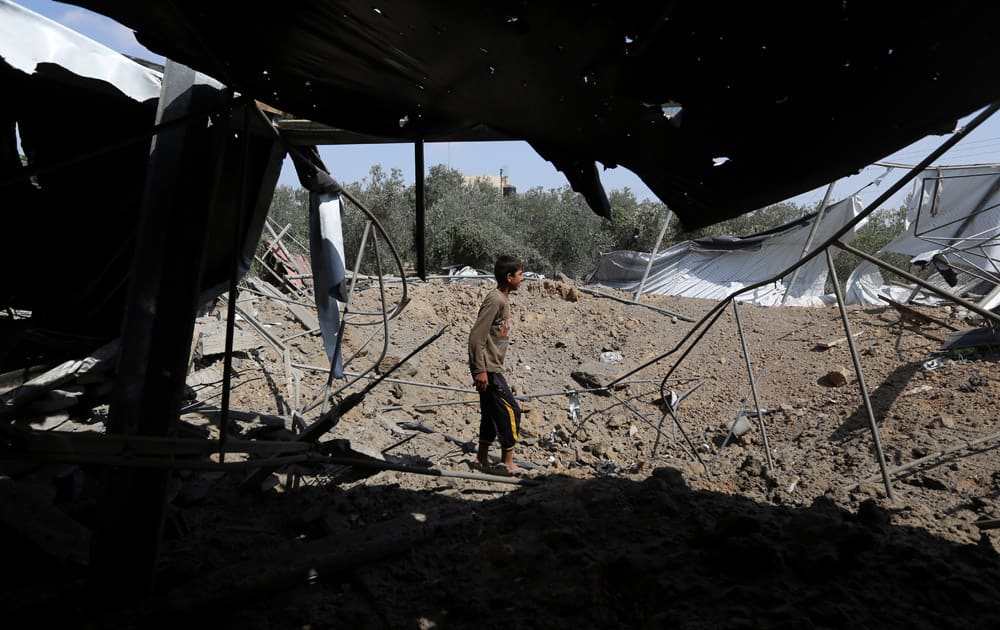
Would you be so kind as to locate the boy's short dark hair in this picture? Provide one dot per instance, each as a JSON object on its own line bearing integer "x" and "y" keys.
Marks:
{"x": 506, "y": 265}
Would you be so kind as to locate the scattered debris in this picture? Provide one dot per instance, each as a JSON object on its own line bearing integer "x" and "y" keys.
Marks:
{"x": 826, "y": 345}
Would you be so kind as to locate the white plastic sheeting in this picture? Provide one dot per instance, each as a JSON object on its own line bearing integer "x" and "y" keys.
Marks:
{"x": 28, "y": 41}
{"x": 326, "y": 244}
{"x": 714, "y": 268}
{"x": 953, "y": 211}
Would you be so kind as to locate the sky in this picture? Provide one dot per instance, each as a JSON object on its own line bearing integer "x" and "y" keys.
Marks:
{"x": 517, "y": 160}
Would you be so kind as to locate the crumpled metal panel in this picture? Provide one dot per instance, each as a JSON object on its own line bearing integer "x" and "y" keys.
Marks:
{"x": 720, "y": 108}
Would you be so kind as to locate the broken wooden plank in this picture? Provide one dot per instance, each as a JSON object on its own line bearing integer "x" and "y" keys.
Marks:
{"x": 243, "y": 416}
{"x": 914, "y": 316}
{"x": 213, "y": 339}
{"x": 826, "y": 345}
{"x": 306, "y": 316}
{"x": 257, "y": 326}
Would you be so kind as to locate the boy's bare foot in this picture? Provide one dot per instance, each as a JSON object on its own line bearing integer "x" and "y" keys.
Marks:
{"x": 508, "y": 461}
{"x": 481, "y": 465}
{"x": 514, "y": 469}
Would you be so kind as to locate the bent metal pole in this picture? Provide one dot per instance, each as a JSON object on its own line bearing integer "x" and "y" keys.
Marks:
{"x": 652, "y": 255}
{"x": 861, "y": 376}
{"x": 753, "y": 387}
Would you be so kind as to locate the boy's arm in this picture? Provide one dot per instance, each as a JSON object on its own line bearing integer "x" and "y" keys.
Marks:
{"x": 477, "y": 339}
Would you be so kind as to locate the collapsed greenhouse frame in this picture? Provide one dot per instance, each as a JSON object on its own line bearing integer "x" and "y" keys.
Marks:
{"x": 174, "y": 257}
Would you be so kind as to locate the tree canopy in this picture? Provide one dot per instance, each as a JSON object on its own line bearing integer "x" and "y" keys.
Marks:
{"x": 552, "y": 230}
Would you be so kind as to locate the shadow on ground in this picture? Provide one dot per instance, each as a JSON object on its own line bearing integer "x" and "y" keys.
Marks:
{"x": 565, "y": 553}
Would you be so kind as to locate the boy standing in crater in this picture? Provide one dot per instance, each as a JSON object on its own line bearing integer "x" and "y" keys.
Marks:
{"x": 500, "y": 415}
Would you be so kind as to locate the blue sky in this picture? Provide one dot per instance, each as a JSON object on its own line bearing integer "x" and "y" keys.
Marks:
{"x": 517, "y": 160}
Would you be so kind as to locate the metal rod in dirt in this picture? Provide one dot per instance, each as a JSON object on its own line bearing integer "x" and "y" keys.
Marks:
{"x": 311, "y": 331}
{"x": 303, "y": 366}
{"x": 678, "y": 426}
{"x": 683, "y": 318}
{"x": 330, "y": 418}
{"x": 357, "y": 262}
{"x": 936, "y": 455}
{"x": 652, "y": 254}
{"x": 809, "y": 240}
{"x": 434, "y": 472}
{"x": 861, "y": 376}
{"x": 927, "y": 285}
{"x": 753, "y": 386}
{"x": 831, "y": 240}
{"x": 427, "y": 405}
{"x": 716, "y": 312}
{"x": 658, "y": 429}
{"x": 729, "y": 433}
{"x": 367, "y": 388}
{"x": 467, "y": 447}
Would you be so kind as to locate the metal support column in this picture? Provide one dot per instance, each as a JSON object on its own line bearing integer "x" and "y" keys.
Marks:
{"x": 157, "y": 328}
{"x": 419, "y": 237}
{"x": 972, "y": 306}
{"x": 753, "y": 387}
{"x": 652, "y": 254}
{"x": 861, "y": 376}
{"x": 809, "y": 240}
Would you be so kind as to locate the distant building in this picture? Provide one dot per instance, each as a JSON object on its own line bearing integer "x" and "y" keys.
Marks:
{"x": 500, "y": 182}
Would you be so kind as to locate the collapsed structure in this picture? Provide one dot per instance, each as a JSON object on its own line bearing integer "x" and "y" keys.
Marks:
{"x": 716, "y": 267}
{"x": 171, "y": 173}
{"x": 951, "y": 233}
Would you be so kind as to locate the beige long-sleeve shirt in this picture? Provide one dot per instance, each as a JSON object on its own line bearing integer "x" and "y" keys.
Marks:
{"x": 490, "y": 335}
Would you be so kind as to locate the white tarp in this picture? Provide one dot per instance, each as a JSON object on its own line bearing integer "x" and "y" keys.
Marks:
{"x": 28, "y": 41}
{"x": 952, "y": 211}
{"x": 326, "y": 244}
{"x": 714, "y": 268}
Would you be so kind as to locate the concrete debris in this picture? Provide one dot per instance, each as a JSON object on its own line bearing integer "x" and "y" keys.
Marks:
{"x": 213, "y": 338}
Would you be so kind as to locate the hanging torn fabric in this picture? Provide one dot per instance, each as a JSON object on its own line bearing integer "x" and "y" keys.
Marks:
{"x": 326, "y": 244}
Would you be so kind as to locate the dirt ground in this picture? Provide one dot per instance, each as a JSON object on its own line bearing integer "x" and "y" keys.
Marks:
{"x": 627, "y": 518}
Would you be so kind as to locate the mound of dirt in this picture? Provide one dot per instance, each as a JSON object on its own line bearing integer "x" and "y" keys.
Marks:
{"x": 641, "y": 508}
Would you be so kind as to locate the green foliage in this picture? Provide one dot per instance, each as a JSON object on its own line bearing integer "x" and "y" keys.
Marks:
{"x": 478, "y": 244}
{"x": 634, "y": 225}
{"x": 290, "y": 206}
{"x": 552, "y": 230}
{"x": 565, "y": 230}
{"x": 882, "y": 226}
{"x": 440, "y": 182}
{"x": 750, "y": 223}
{"x": 389, "y": 200}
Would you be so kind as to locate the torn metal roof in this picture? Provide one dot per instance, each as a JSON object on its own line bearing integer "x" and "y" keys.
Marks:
{"x": 84, "y": 117}
{"x": 720, "y": 108}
